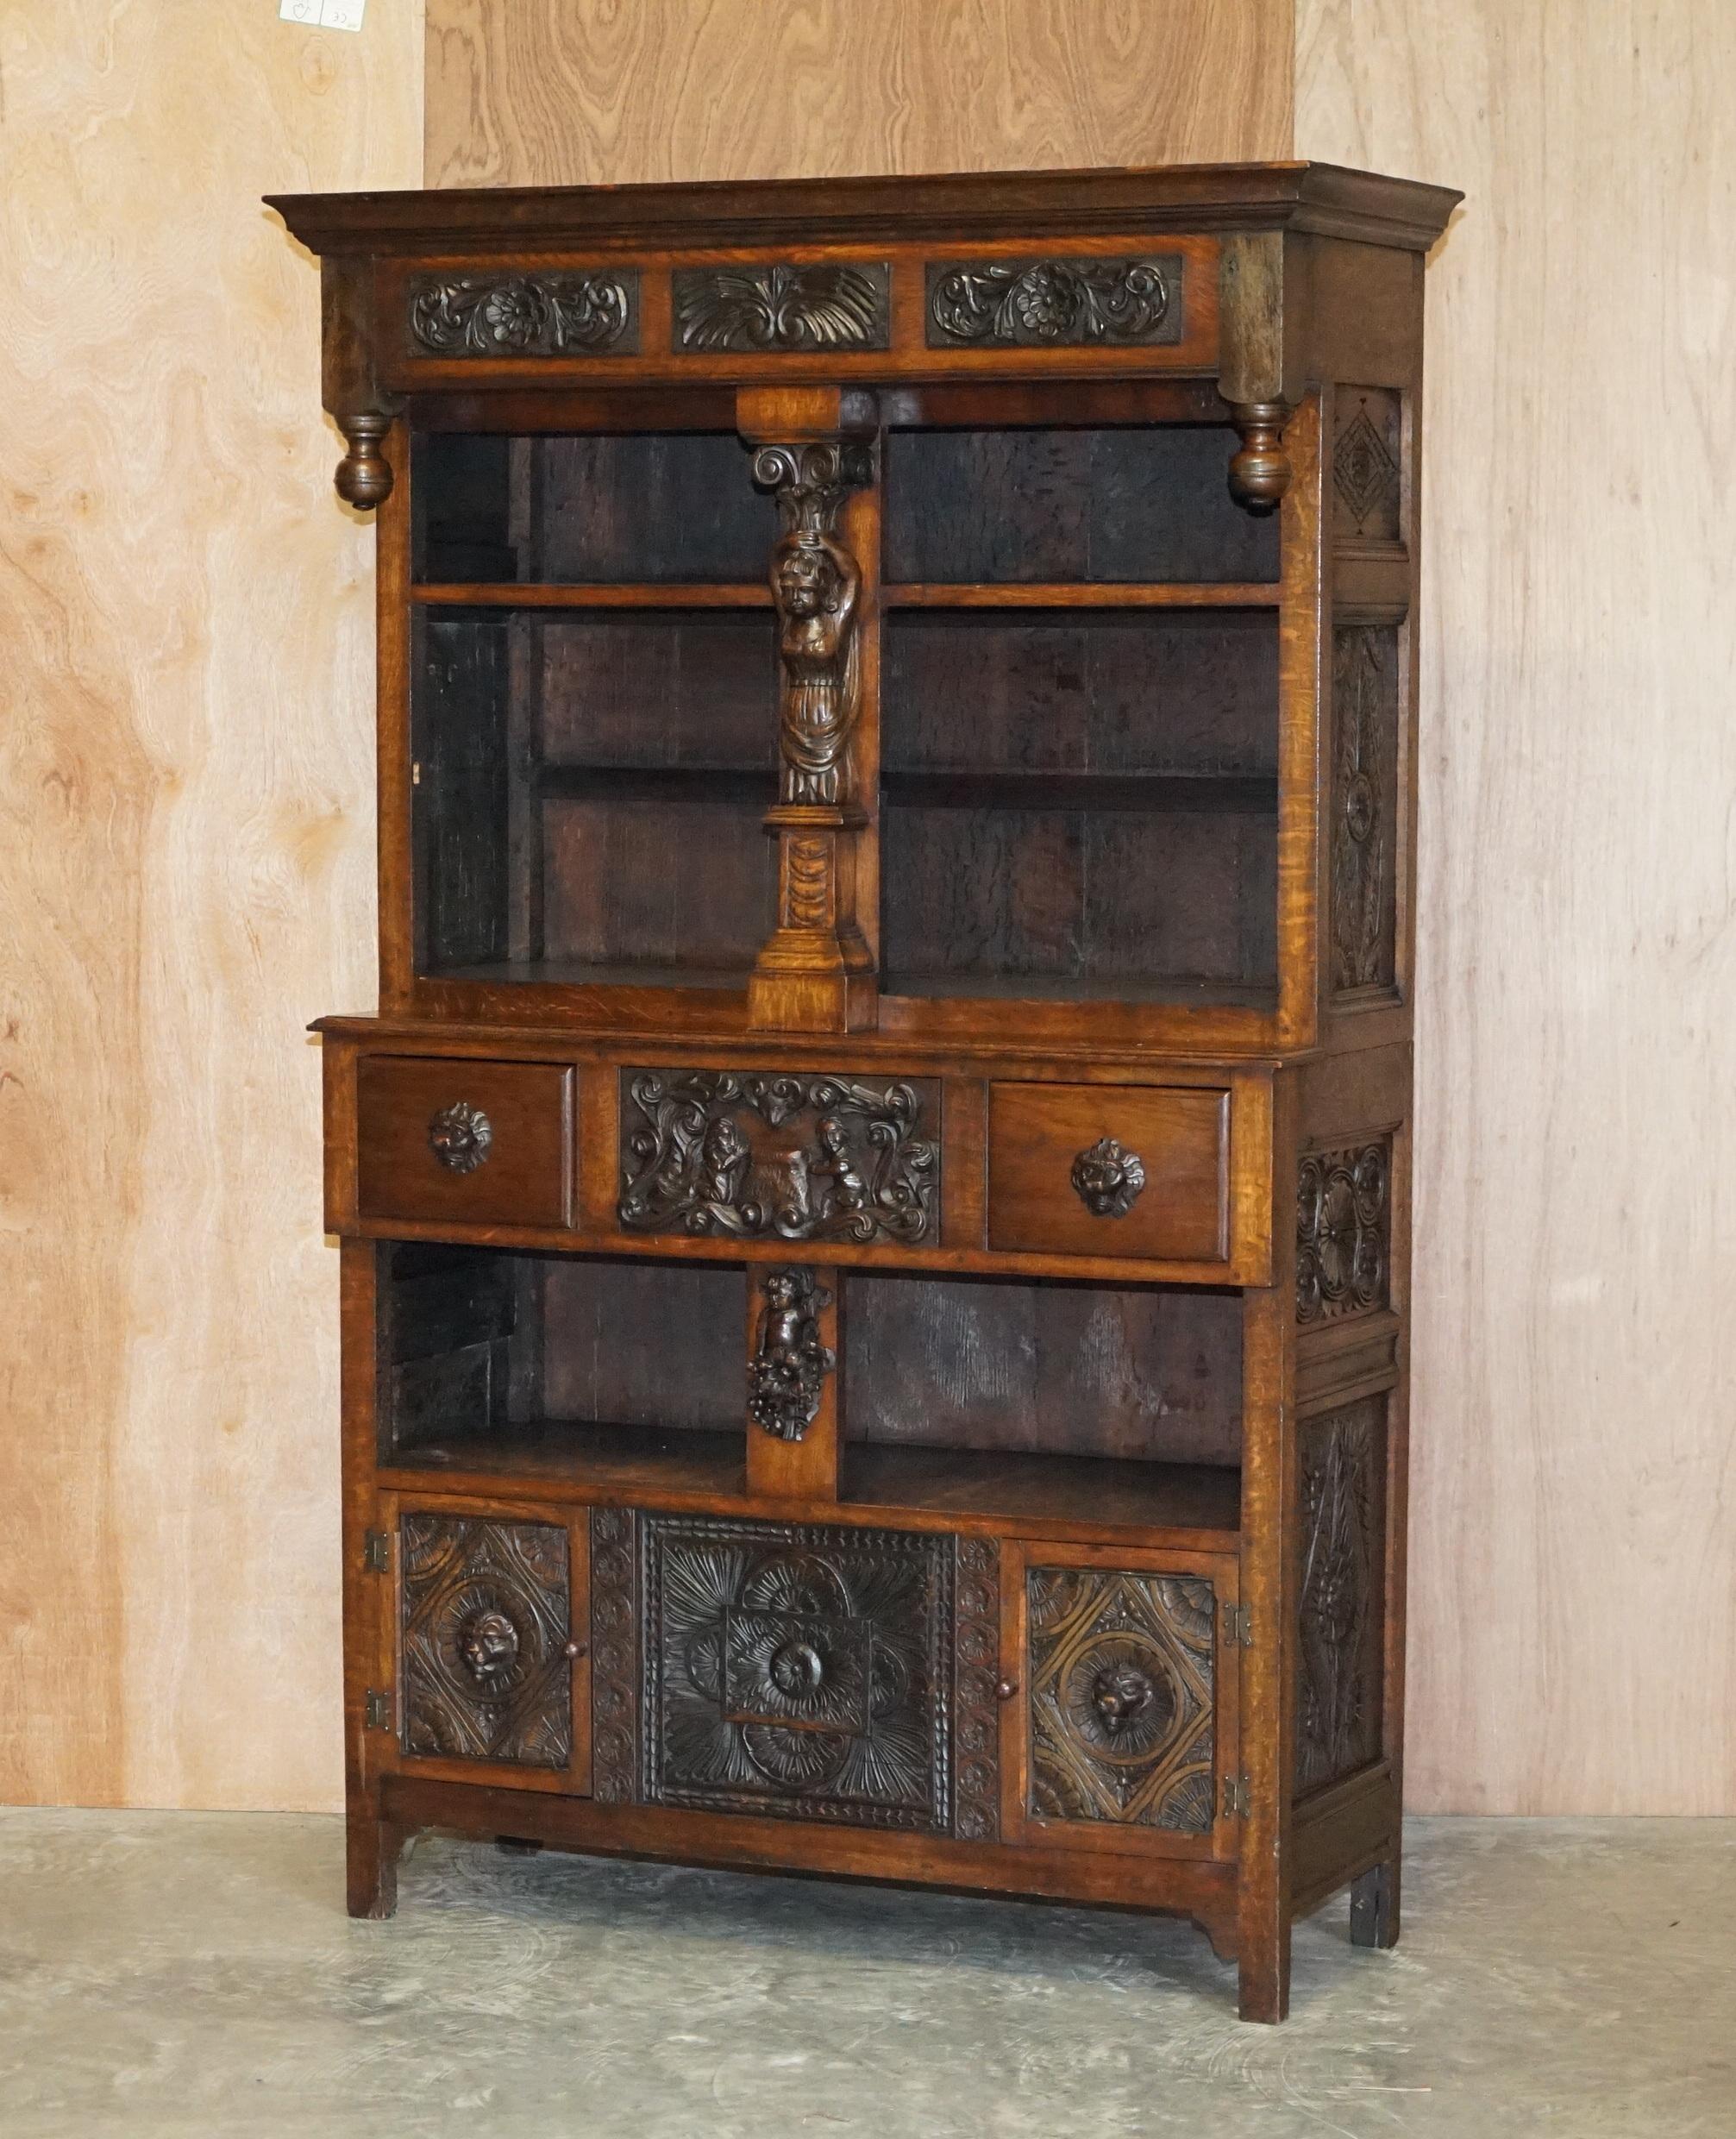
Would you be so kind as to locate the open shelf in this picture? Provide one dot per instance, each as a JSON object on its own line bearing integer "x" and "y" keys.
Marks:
{"x": 637, "y": 594}
{"x": 1066, "y": 594}
{"x": 755, "y": 784}
{"x": 1236, "y": 793}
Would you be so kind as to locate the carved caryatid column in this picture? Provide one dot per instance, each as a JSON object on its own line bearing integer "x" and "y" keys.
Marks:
{"x": 816, "y": 972}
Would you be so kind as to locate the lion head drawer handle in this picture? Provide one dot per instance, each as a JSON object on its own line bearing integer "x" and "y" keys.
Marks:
{"x": 459, "y": 1135}
{"x": 1109, "y": 1178}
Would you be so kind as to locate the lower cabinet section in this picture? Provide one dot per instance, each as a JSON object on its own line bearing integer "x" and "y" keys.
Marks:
{"x": 909, "y": 1681}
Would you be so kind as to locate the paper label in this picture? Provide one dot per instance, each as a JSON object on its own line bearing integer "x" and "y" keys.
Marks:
{"x": 322, "y": 14}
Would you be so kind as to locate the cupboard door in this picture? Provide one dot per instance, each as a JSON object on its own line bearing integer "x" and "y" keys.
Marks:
{"x": 490, "y": 1630}
{"x": 1123, "y": 1724}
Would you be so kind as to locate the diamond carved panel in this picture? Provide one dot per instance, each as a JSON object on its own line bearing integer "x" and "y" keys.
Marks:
{"x": 1366, "y": 445}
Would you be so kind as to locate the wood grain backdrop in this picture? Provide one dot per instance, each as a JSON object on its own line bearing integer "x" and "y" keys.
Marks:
{"x": 1573, "y": 1522}
{"x": 186, "y": 878}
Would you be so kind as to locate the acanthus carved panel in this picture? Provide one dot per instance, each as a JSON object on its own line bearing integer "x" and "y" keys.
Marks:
{"x": 976, "y": 1725}
{"x": 487, "y": 1623}
{"x": 1121, "y": 1673}
{"x": 547, "y": 314}
{"x": 1344, "y": 1230}
{"x": 614, "y": 1655}
{"x": 746, "y": 1156}
{"x": 1054, "y": 304}
{"x": 780, "y": 307}
{"x": 1365, "y": 465}
{"x": 1339, "y": 1612}
{"x": 798, "y": 1671}
{"x": 1364, "y": 805}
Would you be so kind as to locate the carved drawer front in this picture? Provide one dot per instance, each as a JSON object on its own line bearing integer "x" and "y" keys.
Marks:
{"x": 752, "y": 1155}
{"x": 1109, "y": 1170}
{"x": 796, "y": 1672}
{"x": 468, "y": 1143}
{"x": 1125, "y": 1727}
{"x": 490, "y": 1631}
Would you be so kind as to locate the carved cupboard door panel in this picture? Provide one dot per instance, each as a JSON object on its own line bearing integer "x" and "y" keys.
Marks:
{"x": 1122, "y": 1730}
{"x": 488, "y": 1643}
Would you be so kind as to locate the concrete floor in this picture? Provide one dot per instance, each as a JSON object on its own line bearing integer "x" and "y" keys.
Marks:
{"x": 185, "y": 1974}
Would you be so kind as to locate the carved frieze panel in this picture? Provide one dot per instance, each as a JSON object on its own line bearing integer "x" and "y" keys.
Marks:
{"x": 1344, "y": 1230}
{"x": 750, "y": 1155}
{"x": 1366, "y": 490}
{"x": 1364, "y": 805}
{"x": 614, "y": 1655}
{"x": 549, "y": 313}
{"x": 976, "y": 1725}
{"x": 1121, "y": 1674}
{"x": 487, "y": 1622}
{"x": 798, "y": 1671}
{"x": 785, "y": 306}
{"x": 1054, "y": 304}
{"x": 1340, "y": 1609}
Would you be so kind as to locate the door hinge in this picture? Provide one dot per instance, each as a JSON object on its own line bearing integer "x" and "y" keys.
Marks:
{"x": 376, "y": 1710}
{"x": 376, "y": 1553}
{"x": 1235, "y": 1797}
{"x": 1238, "y": 1626}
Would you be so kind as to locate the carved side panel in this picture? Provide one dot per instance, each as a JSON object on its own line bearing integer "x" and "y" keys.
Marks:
{"x": 1344, "y": 1230}
{"x": 780, "y": 307}
{"x": 487, "y": 1621}
{"x": 752, "y": 1157}
{"x": 1366, "y": 446}
{"x": 1053, "y": 303}
{"x": 614, "y": 1655}
{"x": 1121, "y": 1674}
{"x": 547, "y": 314}
{"x": 1341, "y": 1599}
{"x": 798, "y": 1671}
{"x": 976, "y": 1725}
{"x": 1365, "y": 805}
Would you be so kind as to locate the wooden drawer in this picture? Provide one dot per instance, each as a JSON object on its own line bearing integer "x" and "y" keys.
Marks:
{"x": 469, "y": 1143}
{"x": 1109, "y": 1170}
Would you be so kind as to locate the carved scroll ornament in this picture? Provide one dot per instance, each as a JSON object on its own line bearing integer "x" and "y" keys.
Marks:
{"x": 1055, "y": 304}
{"x": 547, "y": 314}
{"x": 1343, "y": 1231}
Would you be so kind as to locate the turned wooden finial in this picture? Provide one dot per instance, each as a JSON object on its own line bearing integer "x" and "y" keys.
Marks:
{"x": 363, "y": 475}
{"x": 1260, "y": 472}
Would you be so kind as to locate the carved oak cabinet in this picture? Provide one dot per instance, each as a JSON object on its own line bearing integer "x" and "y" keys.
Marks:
{"x": 875, "y": 1210}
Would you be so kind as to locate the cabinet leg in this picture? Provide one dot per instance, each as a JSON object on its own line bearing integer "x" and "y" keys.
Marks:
{"x": 1374, "y": 1905}
{"x": 374, "y": 1846}
{"x": 1262, "y": 1974}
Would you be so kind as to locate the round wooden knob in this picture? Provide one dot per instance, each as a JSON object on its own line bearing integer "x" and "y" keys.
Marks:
{"x": 1006, "y": 1689}
{"x": 575, "y": 1648}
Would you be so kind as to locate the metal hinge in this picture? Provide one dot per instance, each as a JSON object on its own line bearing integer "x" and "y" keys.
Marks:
{"x": 376, "y": 1710}
{"x": 1235, "y": 1797}
{"x": 1238, "y": 1626}
{"x": 376, "y": 1553}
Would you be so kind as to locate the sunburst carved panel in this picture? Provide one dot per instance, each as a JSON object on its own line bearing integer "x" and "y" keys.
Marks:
{"x": 1340, "y": 1608}
{"x": 487, "y": 1621}
{"x": 1121, "y": 1673}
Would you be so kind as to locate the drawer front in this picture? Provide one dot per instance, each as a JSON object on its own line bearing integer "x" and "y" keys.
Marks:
{"x": 749, "y": 1155}
{"x": 490, "y": 1636}
{"x": 796, "y": 1670}
{"x": 1109, "y": 1170}
{"x": 1128, "y": 1703}
{"x": 470, "y": 1143}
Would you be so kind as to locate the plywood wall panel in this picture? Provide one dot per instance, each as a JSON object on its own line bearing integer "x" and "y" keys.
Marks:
{"x": 570, "y": 92}
{"x": 186, "y": 827}
{"x": 1573, "y": 1554}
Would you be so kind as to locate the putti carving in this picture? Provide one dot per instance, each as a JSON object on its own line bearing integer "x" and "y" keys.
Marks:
{"x": 1365, "y": 464}
{"x": 798, "y": 1671}
{"x": 730, "y": 1153}
{"x": 976, "y": 1725}
{"x": 787, "y": 1374}
{"x": 547, "y": 314}
{"x": 615, "y": 1707}
{"x": 1339, "y": 1612}
{"x": 999, "y": 304}
{"x": 1121, "y": 1669}
{"x": 1365, "y": 705}
{"x": 783, "y": 307}
{"x": 486, "y": 1619}
{"x": 1343, "y": 1231}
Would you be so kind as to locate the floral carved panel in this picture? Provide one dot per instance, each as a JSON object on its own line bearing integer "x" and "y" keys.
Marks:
{"x": 1054, "y": 304}
{"x": 1364, "y": 829}
{"x": 1344, "y": 1230}
{"x": 547, "y": 314}
{"x": 746, "y": 1156}
{"x": 1340, "y": 1609}
{"x": 798, "y": 1671}
{"x": 1121, "y": 1674}
{"x": 487, "y": 1622}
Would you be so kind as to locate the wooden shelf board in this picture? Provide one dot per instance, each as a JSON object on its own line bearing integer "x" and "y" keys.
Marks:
{"x": 572, "y": 973}
{"x": 1043, "y": 988}
{"x": 1071, "y": 594}
{"x": 634, "y": 594}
